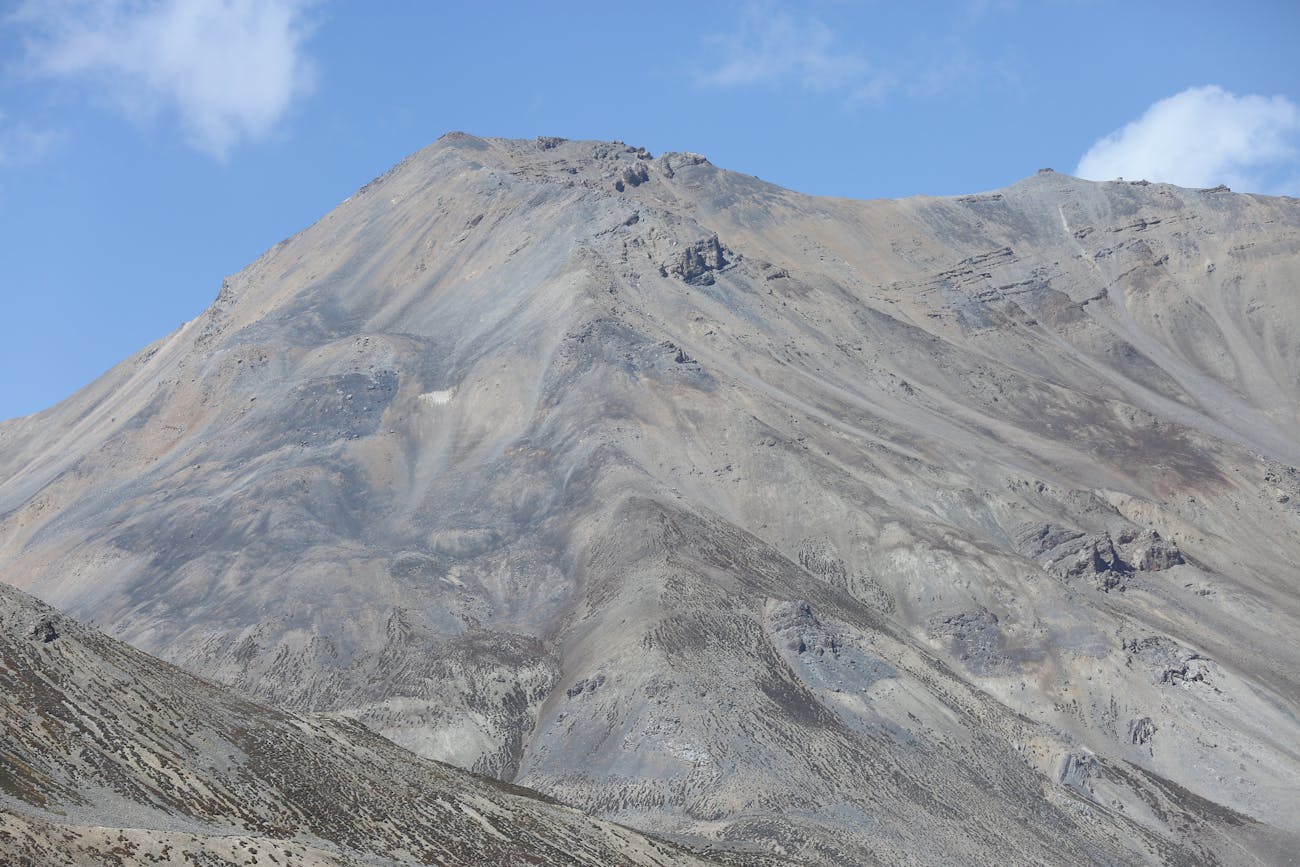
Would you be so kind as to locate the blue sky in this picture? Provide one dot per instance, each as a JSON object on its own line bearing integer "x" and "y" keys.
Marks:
{"x": 150, "y": 147}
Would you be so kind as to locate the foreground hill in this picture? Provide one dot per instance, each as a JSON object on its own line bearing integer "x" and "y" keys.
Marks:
{"x": 113, "y": 757}
{"x": 932, "y": 531}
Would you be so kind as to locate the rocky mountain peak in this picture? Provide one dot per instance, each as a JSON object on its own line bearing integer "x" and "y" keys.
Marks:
{"x": 561, "y": 461}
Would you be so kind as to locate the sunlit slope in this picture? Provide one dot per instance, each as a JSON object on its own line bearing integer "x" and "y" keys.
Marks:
{"x": 729, "y": 511}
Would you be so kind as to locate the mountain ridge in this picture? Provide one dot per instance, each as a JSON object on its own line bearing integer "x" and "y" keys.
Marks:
{"x": 1015, "y": 470}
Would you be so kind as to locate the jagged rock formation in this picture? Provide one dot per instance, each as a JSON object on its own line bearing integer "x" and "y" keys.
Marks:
{"x": 552, "y": 480}
{"x": 110, "y": 756}
{"x": 1107, "y": 561}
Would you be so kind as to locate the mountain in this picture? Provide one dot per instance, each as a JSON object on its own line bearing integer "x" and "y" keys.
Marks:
{"x": 923, "y": 531}
{"x": 97, "y": 732}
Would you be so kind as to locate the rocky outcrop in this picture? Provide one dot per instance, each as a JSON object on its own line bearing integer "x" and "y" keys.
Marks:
{"x": 1149, "y": 552}
{"x": 632, "y": 176}
{"x": 1169, "y": 663}
{"x": 1141, "y": 731}
{"x": 1101, "y": 559}
{"x": 699, "y": 261}
{"x": 44, "y": 630}
{"x": 973, "y": 638}
{"x": 802, "y": 631}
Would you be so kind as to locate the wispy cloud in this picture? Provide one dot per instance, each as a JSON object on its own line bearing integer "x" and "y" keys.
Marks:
{"x": 21, "y": 144}
{"x": 775, "y": 47}
{"x": 1202, "y": 137}
{"x": 227, "y": 69}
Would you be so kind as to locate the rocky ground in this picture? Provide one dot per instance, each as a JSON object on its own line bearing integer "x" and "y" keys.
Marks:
{"x": 922, "y": 531}
{"x": 113, "y": 757}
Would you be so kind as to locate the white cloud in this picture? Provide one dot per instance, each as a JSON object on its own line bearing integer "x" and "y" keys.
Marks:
{"x": 773, "y": 47}
{"x": 228, "y": 69}
{"x": 1203, "y": 137}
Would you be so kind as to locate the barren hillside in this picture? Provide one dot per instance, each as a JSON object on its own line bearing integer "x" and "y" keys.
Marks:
{"x": 918, "y": 531}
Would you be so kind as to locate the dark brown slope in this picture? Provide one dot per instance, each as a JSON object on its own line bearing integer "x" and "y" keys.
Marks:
{"x": 109, "y": 756}
{"x": 920, "y": 531}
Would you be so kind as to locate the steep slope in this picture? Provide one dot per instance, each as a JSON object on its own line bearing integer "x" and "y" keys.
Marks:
{"x": 95, "y": 732}
{"x": 921, "y": 530}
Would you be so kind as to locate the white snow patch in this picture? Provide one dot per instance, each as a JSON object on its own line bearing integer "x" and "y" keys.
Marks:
{"x": 439, "y": 398}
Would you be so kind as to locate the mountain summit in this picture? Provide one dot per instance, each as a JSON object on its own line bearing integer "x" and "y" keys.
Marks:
{"x": 934, "y": 530}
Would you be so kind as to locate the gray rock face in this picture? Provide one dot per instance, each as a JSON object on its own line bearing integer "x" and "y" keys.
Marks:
{"x": 552, "y": 480}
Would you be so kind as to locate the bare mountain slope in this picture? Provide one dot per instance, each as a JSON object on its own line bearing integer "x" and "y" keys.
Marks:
{"x": 910, "y": 531}
{"x": 111, "y": 756}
